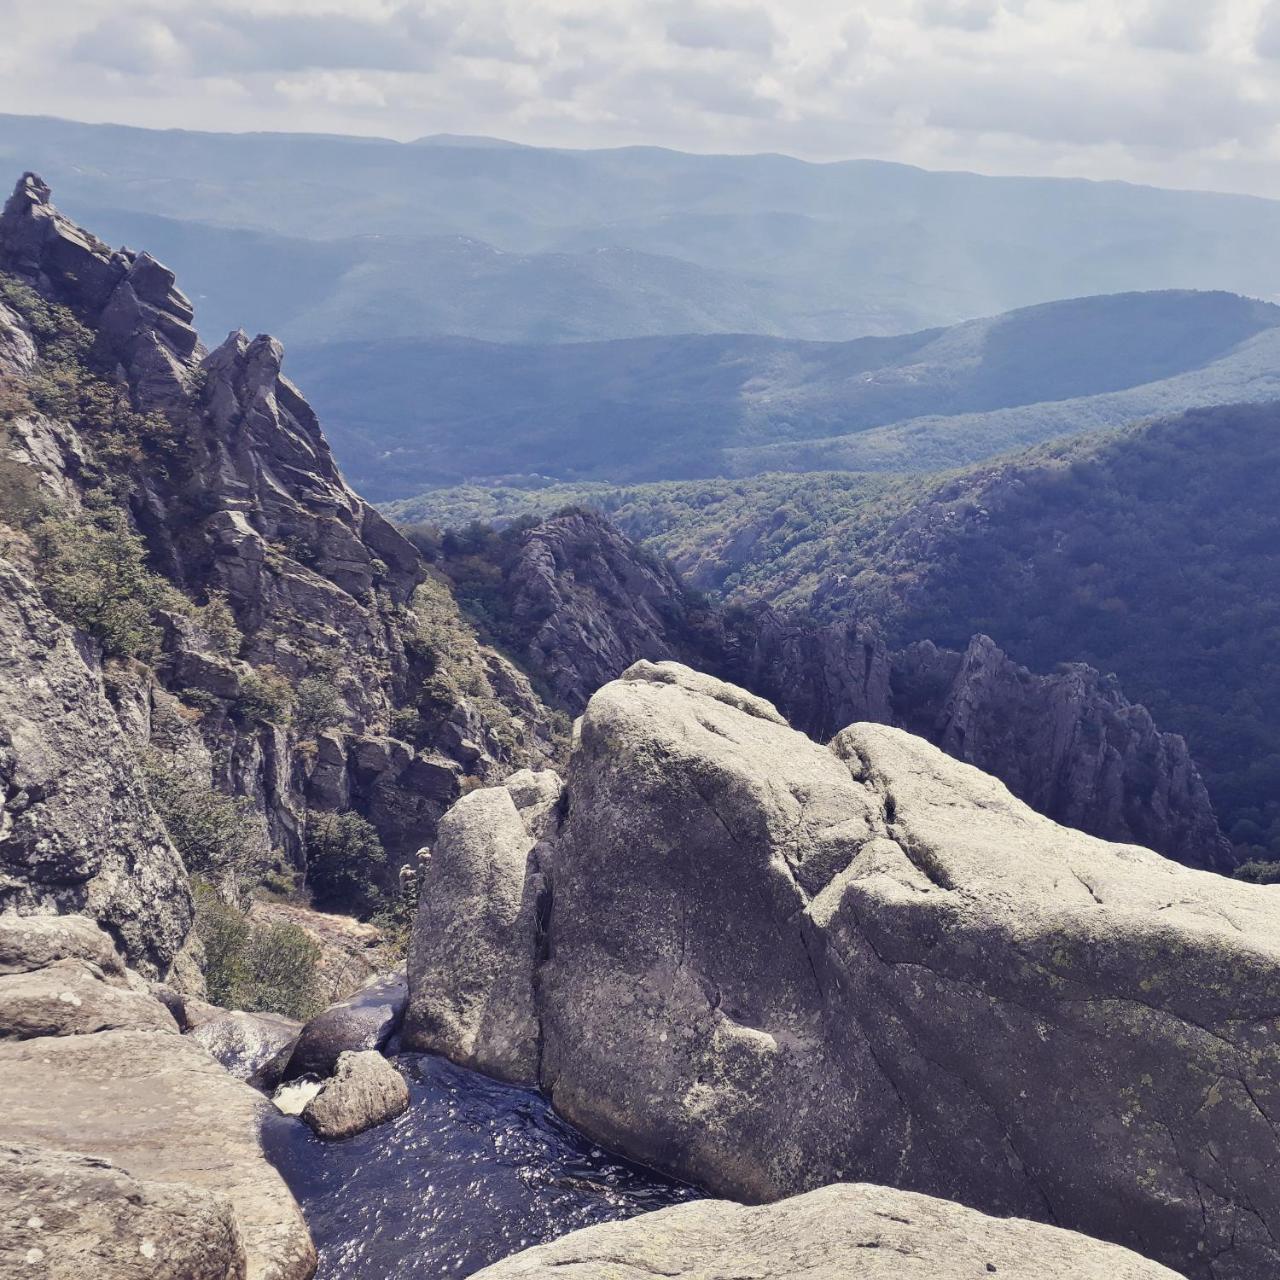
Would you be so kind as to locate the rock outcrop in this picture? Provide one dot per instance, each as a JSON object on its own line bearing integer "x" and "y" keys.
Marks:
{"x": 770, "y": 965}
{"x": 838, "y": 1233}
{"x": 1069, "y": 744}
{"x": 364, "y": 1091}
{"x": 254, "y": 1047}
{"x": 228, "y": 478}
{"x": 586, "y": 603}
{"x": 77, "y": 832}
{"x": 478, "y": 930}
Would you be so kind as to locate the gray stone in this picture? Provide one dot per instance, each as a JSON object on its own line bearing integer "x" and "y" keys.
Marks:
{"x": 366, "y": 1020}
{"x": 72, "y": 998}
{"x": 364, "y": 1091}
{"x": 31, "y": 942}
{"x": 161, "y": 1108}
{"x": 772, "y": 965}
{"x": 476, "y": 934}
{"x": 68, "y": 1217}
{"x": 838, "y": 1233}
{"x": 252, "y": 1046}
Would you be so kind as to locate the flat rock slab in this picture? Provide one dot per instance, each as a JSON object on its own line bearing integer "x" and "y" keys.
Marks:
{"x": 74, "y": 1217}
{"x": 161, "y": 1108}
{"x": 70, "y": 998}
{"x": 851, "y": 1232}
{"x": 366, "y": 1090}
{"x": 32, "y": 942}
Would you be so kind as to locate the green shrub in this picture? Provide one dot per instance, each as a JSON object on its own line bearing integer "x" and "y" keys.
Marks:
{"x": 1258, "y": 872}
{"x": 318, "y": 706}
{"x": 265, "y": 694}
{"x": 94, "y": 575}
{"x": 345, "y": 859}
{"x": 217, "y": 836}
{"x": 258, "y": 968}
{"x": 218, "y": 620}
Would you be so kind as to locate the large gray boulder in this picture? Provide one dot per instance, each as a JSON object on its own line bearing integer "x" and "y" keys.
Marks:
{"x": 838, "y": 1233}
{"x": 772, "y": 965}
{"x": 364, "y": 1091}
{"x": 476, "y": 935}
{"x": 160, "y": 1108}
{"x": 72, "y": 997}
{"x": 254, "y": 1047}
{"x": 67, "y": 1217}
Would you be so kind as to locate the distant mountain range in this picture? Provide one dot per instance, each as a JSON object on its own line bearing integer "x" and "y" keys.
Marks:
{"x": 413, "y": 415}
{"x": 320, "y": 238}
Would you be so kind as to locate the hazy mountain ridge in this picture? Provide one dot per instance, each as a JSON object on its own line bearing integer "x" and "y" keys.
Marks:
{"x": 820, "y": 250}
{"x": 655, "y": 409}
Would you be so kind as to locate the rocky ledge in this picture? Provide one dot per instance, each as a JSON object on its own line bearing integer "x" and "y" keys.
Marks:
{"x": 766, "y": 965}
{"x": 838, "y": 1233}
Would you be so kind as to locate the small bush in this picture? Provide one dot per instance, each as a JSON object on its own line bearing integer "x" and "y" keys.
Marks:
{"x": 344, "y": 860}
{"x": 218, "y": 620}
{"x": 217, "y": 836}
{"x": 94, "y": 574}
{"x": 1258, "y": 872}
{"x": 257, "y": 968}
{"x": 264, "y": 694}
{"x": 318, "y": 706}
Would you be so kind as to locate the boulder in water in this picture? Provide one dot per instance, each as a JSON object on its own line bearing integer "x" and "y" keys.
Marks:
{"x": 366, "y": 1020}
{"x": 366, "y": 1090}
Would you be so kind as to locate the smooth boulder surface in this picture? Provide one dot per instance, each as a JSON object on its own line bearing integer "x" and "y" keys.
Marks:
{"x": 65, "y": 1216}
{"x": 366, "y": 1020}
{"x": 159, "y": 1107}
{"x": 476, "y": 934}
{"x": 366, "y": 1090}
{"x": 32, "y": 942}
{"x": 72, "y": 997}
{"x": 837, "y": 1233}
{"x": 772, "y": 965}
{"x": 252, "y": 1046}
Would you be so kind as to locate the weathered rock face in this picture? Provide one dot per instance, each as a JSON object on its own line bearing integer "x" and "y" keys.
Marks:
{"x": 126, "y": 1150}
{"x": 253, "y": 1047}
{"x": 838, "y": 1233}
{"x": 1069, "y": 744}
{"x": 77, "y": 833}
{"x": 589, "y": 603}
{"x": 364, "y": 1091}
{"x": 66, "y": 1216}
{"x": 478, "y": 930}
{"x": 245, "y": 499}
{"x": 162, "y": 1109}
{"x": 772, "y": 965}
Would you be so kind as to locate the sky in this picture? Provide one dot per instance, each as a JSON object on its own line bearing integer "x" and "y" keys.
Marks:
{"x": 1181, "y": 93}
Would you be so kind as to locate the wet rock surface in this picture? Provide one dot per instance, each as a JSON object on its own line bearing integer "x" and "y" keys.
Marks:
{"x": 366, "y": 1020}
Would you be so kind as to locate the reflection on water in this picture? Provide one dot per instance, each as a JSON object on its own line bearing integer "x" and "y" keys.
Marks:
{"x": 473, "y": 1171}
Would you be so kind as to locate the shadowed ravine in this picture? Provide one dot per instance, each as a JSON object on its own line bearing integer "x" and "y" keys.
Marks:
{"x": 475, "y": 1170}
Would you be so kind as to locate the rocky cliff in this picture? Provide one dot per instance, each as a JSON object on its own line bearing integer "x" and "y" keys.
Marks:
{"x": 305, "y": 658}
{"x": 585, "y": 603}
{"x": 766, "y": 965}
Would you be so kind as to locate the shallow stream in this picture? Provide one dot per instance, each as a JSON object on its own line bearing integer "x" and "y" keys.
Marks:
{"x": 473, "y": 1171}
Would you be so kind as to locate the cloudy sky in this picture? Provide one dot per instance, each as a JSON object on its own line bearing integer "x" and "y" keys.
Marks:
{"x": 1178, "y": 92}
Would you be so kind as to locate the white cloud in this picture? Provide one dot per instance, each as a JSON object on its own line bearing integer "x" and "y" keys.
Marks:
{"x": 1181, "y": 92}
